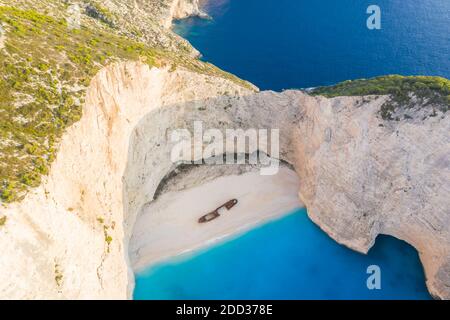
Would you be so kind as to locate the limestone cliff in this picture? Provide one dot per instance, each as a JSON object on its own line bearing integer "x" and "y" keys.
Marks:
{"x": 360, "y": 174}
{"x": 68, "y": 237}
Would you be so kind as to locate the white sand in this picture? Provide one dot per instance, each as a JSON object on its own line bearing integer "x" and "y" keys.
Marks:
{"x": 168, "y": 226}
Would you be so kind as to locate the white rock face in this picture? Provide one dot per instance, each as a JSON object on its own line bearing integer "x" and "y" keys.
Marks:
{"x": 55, "y": 242}
{"x": 69, "y": 238}
{"x": 2, "y": 37}
{"x": 186, "y": 8}
{"x": 362, "y": 176}
{"x": 153, "y": 19}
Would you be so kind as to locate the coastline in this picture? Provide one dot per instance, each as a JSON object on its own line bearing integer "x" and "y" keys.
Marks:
{"x": 182, "y": 9}
{"x": 68, "y": 238}
{"x": 168, "y": 227}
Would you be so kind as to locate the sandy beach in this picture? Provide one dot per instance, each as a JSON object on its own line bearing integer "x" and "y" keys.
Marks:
{"x": 168, "y": 226}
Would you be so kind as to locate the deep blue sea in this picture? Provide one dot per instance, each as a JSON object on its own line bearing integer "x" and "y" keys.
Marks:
{"x": 290, "y": 258}
{"x": 281, "y": 44}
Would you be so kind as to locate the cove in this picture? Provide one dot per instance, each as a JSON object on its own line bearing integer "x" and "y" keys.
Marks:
{"x": 299, "y": 44}
{"x": 289, "y": 258}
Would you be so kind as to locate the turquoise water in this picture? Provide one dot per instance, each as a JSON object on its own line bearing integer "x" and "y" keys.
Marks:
{"x": 290, "y": 258}
{"x": 282, "y": 44}
{"x": 296, "y": 44}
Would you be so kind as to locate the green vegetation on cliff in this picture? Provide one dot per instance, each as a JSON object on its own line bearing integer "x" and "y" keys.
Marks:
{"x": 95, "y": 10}
{"x": 404, "y": 91}
{"x": 45, "y": 69}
